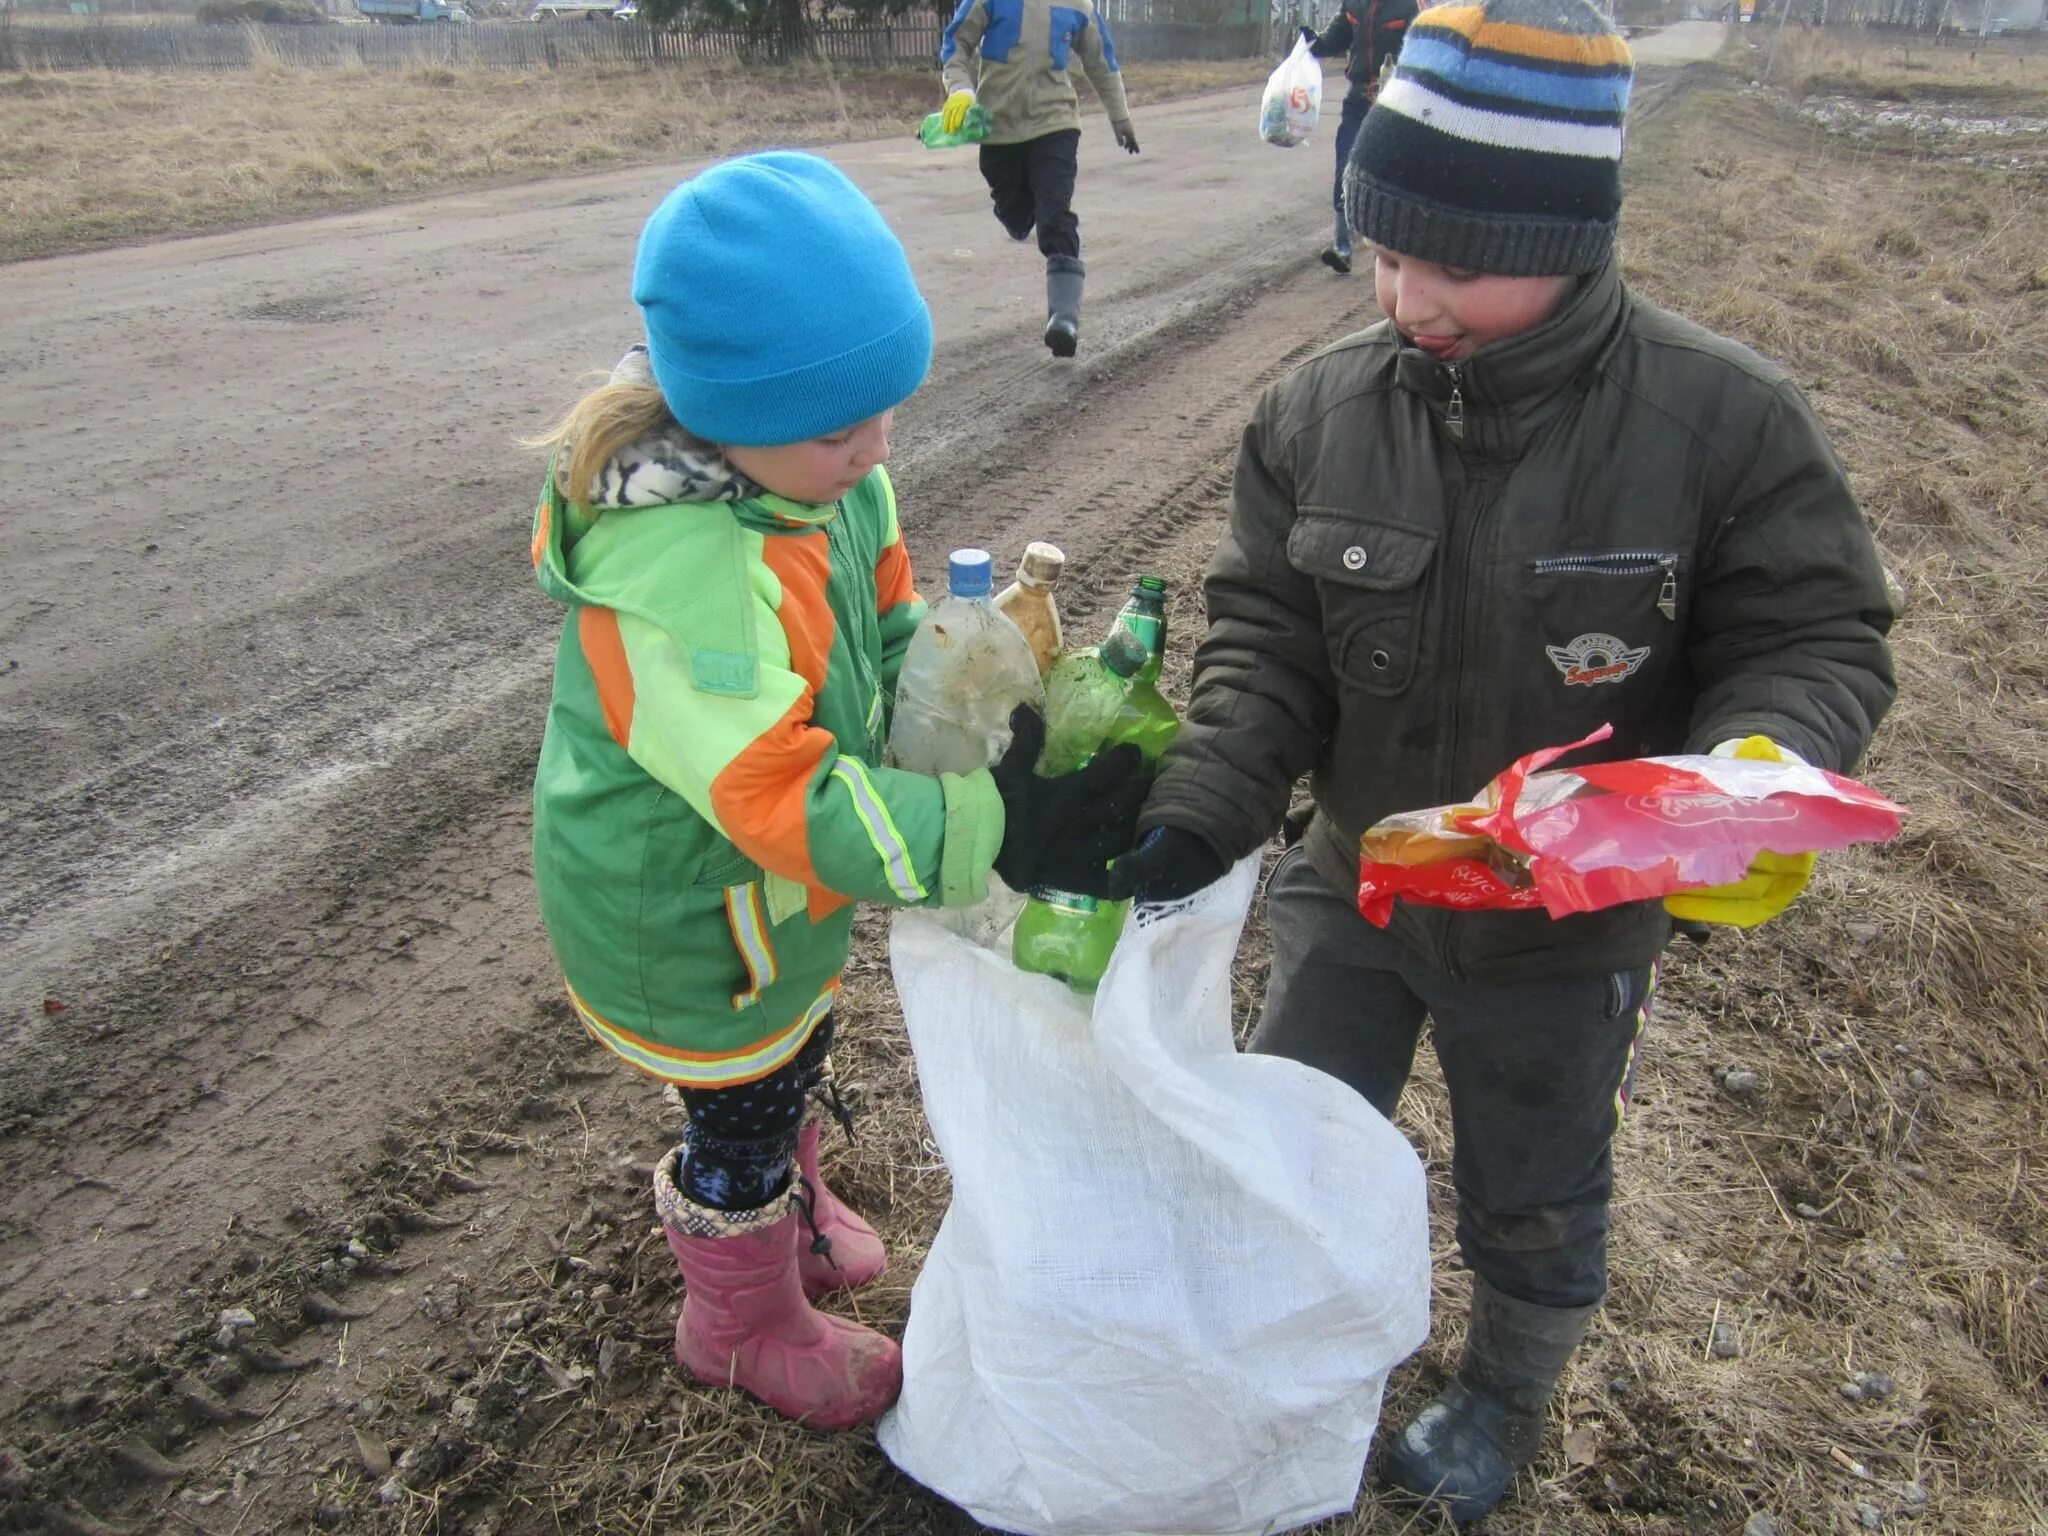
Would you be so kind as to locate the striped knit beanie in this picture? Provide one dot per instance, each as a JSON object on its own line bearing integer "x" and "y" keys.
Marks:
{"x": 1496, "y": 147}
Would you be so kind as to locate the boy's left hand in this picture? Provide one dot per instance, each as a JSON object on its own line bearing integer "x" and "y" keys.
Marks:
{"x": 1127, "y": 139}
{"x": 1774, "y": 879}
{"x": 1167, "y": 864}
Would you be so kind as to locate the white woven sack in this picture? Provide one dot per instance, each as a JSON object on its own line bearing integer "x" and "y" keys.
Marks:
{"x": 1173, "y": 1277}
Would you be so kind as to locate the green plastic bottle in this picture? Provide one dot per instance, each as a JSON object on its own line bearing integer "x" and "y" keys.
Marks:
{"x": 972, "y": 131}
{"x": 1062, "y": 933}
{"x": 1146, "y": 719}
{"x": 1084, "y": 694}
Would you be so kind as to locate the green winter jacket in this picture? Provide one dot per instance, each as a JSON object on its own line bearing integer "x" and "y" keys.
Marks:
{"x": 1020, "y": 51}
{"x": 710, "y": 799}
{"x": 1432, "y": 570}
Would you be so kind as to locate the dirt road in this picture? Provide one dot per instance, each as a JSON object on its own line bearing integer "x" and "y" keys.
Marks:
{"x": 1686, "y": 43}
{"x": 271, "y": 664}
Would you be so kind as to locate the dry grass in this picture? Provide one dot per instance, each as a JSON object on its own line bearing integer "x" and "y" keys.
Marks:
{"x": 1907, "y": 68}
{"x": 1878, "y": 1206}
{"x": 102, "y": 158}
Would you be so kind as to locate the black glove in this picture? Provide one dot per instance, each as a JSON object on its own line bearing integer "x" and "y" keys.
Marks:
{"x": 1063, "y": 832}
{"x": 1308, "y": 35}
{"x": 1168, "y": 864}
{"x": 1127, "y": 138}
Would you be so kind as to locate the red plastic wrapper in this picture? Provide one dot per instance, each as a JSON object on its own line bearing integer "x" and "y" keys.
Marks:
{"x": 1579, "y": 839}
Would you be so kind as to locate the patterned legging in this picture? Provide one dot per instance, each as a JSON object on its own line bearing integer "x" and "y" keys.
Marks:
{"x": 742, "y": 1141}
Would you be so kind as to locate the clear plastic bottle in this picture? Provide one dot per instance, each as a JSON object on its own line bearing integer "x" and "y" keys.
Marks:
{"x": 1063, "y": 933}
{"x": 967, "y": 668}
{"x": 1030, "y": 604}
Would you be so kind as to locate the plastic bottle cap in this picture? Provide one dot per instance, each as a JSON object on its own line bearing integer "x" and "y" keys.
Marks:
{"x": 1042, "y": 563}
{"x": 1124, "y": 653}
{"x": 970, "y": 573}
{"x": 1155, "y": 585}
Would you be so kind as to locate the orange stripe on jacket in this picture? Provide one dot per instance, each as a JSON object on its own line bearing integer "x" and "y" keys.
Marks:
{"x": 761, "y": 797}
{"x": 893, "y": 584}
{"x": 598, "y": 631}
{"x": 803, "y": 564}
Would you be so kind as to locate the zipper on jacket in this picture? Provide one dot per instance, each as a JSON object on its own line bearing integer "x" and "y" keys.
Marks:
{"x": 1475, "y": 498}
{"x": 1454, "y": 409}
{"x": 1627, "y": 562}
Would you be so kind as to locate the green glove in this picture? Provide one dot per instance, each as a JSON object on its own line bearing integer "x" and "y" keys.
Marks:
{"x": 1774, "y": 879}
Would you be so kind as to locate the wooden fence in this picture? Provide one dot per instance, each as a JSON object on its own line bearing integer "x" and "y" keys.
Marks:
{"x": 537, "y": 45}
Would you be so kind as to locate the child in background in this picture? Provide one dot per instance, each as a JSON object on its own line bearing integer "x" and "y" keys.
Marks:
{"x": 1369, "y": 34}
{"x": 710, "y": 800}
{"x": 1021, "y": 49}
{"x": 1525, "y": 503}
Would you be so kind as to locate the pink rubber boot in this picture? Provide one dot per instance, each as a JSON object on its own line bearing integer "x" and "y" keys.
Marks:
{"x": 746, "y": 1323}
{"x": 845, "y": 1252}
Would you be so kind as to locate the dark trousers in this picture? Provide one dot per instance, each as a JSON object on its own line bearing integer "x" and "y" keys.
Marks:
{"x": 1356, "y": 105}
{"x": 1032, "y": 185}
{"x": 1539, "y": 1075}
{"x": 742, "y": 1141}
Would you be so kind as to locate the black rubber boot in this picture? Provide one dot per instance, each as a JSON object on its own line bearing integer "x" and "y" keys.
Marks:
{"x": 1462, "y": 1452}
{"x": 1063, "y": 275}
{"x": 1337, "y": 254}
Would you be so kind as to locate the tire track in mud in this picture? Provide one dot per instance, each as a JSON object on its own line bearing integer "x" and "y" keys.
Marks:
{"x": 235, "y": 1066}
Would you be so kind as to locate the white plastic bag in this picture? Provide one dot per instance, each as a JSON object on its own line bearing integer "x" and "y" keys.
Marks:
{"x": 1293, "y": 99}
{"x": 1173, "y": 1277}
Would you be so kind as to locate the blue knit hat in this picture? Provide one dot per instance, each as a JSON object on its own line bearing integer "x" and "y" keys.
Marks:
{"x": 1497, "y": 145}
{"x": 779, "y": 306}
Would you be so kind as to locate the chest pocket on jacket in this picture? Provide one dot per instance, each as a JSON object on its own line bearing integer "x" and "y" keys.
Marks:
{"x": 1067, "y": 24}
{"x": 1610, "y": 616}
{"x": 1371, "y": 577}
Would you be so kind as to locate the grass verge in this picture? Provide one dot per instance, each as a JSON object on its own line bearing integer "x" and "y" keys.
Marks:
{"x": 107, "y": 158}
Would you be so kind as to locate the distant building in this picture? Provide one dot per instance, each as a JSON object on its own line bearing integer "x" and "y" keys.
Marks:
{"x": 1996, "y": 17}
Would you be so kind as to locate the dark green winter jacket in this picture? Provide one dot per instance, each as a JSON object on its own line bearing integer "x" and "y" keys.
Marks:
{"x": 1431, "y": 570}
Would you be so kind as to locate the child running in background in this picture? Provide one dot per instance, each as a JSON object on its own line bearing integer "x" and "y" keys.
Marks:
{"x": 1020, "y": 51}
{"x": 710, "y": 800}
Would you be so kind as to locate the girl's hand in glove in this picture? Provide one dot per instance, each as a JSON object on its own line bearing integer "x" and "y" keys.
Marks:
{"x": 1774, "y": 879}
{"x": 1169, "y": 864}
{"x": 1062, "y": 832}
{"x": 954, "y": 112}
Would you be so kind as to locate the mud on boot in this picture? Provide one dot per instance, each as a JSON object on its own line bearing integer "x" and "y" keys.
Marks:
{"x": 1063, "y": 277}
{"x": 1462, "y": 1452}
{"x": 746, "y": 1322}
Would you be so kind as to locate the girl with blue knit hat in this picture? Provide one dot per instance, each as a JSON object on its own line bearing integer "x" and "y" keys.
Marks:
{"x": 711, "y": 799}
{"x": 1524, "y": 504}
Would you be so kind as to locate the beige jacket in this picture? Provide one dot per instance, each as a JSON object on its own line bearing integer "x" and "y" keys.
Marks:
{"x": 1020, "y": 51}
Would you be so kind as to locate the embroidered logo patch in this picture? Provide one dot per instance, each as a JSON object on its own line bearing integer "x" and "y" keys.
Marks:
{"x": 1594, "y": 659}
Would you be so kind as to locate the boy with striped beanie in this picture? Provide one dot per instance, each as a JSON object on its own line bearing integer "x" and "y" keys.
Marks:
{"x": 1497, "y": 145}
{"x": 1526, "y": 504}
